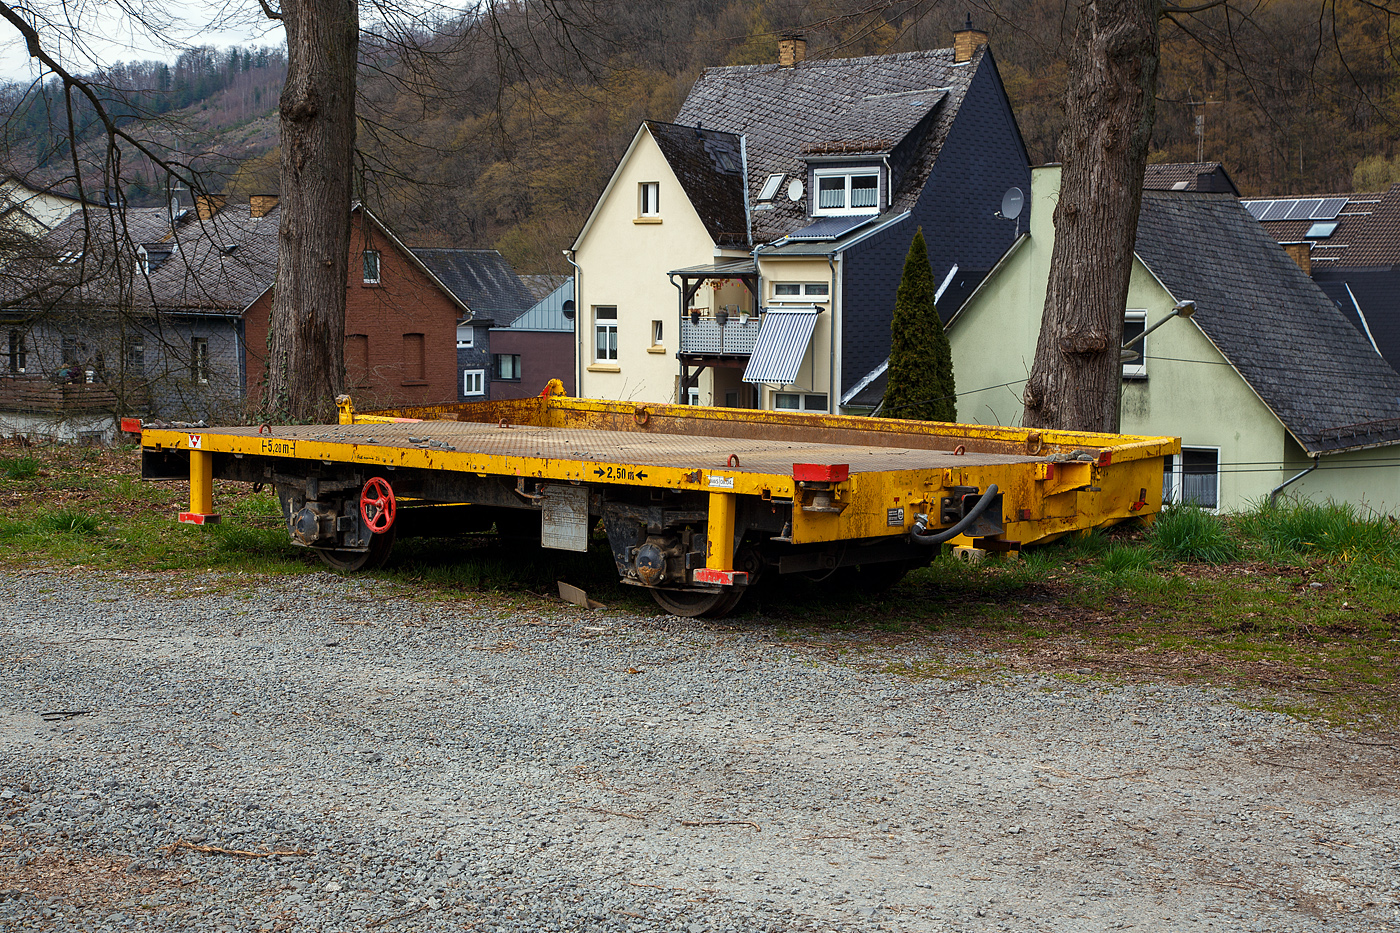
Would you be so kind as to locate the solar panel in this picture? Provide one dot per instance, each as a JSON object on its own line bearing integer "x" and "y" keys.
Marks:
{"x": 1278, "y": 210}
{"x": 1303, "y": 208}
{"x": 829, "y": 228}
{"x": 1257, "y": 208}
{"x": 1329, "y": 208}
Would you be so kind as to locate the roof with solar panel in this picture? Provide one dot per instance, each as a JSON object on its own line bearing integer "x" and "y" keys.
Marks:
{"x": 1345, "y": 230}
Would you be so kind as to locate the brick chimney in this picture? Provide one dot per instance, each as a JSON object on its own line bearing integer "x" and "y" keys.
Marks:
{"x": 967, "y": 40}
{"x": 262, "y": 204}
{"x": 1301, "y": 253}
{"x": 792, "y": 48}
{"x": 207, "y": 205}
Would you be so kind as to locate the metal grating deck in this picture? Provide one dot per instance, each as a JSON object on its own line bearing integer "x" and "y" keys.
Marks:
{"x": 610, "y": 447}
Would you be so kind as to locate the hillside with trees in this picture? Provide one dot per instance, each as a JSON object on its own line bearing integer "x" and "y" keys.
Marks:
{"x": 501, "y": 128}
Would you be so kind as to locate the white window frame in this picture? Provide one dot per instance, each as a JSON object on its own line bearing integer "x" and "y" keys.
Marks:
{"x": 1173, "y": 492}
{"x": 466, "y": 337}
{"x": 1137, "y": 370}
{"x": 805, "y": 401}
{"x": 473, "y": 382}
{"x": 771, "y": 184}
{"x": 605, "y": 333}
{"x": 199, "y": 360}
{"x": 692, "y": 395}
{"x": 847, "y": 172}
{"x": 372, "y": 276}
{"x": 649, "y": 199}
{"x": 808, "y": 293}
{"x": 658, "y": 328}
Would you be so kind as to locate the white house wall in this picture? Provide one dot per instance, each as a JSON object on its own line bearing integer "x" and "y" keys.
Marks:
{"x": 624, "y": 260}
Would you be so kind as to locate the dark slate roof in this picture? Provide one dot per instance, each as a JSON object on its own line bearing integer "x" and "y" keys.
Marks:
{"x": 840, "y": 106}
{"x": 1370, "y": 298}
{"x": 1367, "y": 233}
{"x": 1323, "y": 380}
{"x": 1189, "y": 176}
{"x": 481, "y": 279}
{"x": 219, "y": 265}
{"x": 709, "y": 166}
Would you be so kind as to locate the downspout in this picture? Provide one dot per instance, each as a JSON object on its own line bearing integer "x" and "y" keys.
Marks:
{"x": 757, "y": 304}
{"x": 578, "y": 329}
{"x": 680, "y": 328}
{"x": 1273, "y": 493}
{"x": 832, "y": 388}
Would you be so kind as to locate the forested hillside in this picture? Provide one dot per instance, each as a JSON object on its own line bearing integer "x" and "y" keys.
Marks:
{"x": 499, "y": 129}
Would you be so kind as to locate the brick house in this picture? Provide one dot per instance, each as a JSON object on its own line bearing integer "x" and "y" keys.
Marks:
{"x": 542, "y": 339}
{"x": 400, "y": 324}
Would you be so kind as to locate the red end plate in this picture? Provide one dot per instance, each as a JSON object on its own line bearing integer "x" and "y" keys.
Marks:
{"x": 131, "y": 425}
{"x": 821, "y": 472}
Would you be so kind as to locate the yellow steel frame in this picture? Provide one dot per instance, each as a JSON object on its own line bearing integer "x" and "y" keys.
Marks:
{"x": 1042, "y": 500}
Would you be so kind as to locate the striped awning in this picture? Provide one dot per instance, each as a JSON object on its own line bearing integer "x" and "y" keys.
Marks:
{"x": 782, "y": 343}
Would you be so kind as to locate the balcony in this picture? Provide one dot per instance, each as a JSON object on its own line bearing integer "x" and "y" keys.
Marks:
{"x": 709, "y": 338}
{"x": 31, "y": 393}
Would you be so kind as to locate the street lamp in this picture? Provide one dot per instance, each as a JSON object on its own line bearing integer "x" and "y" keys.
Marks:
{"x": 1183, "y": 309}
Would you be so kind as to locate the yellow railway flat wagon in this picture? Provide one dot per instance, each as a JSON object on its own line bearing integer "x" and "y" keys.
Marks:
{"x": 697, "y": 503}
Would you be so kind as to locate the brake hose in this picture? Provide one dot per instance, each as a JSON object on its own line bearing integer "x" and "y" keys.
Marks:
{"x": 950, "y": 533}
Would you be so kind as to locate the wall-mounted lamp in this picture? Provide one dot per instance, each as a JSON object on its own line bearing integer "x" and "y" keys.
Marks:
{"x": 1183, "y": 309}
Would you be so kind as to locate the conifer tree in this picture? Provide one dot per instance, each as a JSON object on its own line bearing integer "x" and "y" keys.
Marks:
{"x": 921, "y": 361}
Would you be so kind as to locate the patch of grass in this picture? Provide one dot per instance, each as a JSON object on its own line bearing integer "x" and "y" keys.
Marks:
{"x": 1125, "y": 559}
{"x": 1187, "y": 533}
{"x": 67, "y": 521}
{"x": 1330, "y": 529}
{"x": 23, "y": 467}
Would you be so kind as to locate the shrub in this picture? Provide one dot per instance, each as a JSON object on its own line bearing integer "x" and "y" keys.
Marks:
{"x": 1185, "y": 532}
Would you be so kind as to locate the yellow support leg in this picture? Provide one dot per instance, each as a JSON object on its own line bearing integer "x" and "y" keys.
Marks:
{"x": 201, "y": 490}
{"x": 719, "y": 543}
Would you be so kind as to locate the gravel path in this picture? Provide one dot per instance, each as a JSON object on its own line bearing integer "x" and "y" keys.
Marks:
{"x": 491, "y": 765}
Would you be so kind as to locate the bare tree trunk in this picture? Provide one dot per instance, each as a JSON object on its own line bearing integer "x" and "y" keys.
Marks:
{"x": 1110, "y": 105}
{"x": 306, "y": 333}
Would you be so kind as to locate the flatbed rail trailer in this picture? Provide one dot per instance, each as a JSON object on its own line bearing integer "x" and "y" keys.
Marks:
{"x": 697, "y": 503}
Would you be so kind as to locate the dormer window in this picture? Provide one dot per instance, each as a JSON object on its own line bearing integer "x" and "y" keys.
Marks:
{"x": 847, "y": 191}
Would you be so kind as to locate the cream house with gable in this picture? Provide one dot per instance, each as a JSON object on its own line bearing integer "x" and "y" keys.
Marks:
{"x": 748, "y": 254}
{"x": 1267, "y": 384}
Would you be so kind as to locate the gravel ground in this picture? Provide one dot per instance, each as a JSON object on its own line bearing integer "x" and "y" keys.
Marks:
{"x": 493, "y": 765}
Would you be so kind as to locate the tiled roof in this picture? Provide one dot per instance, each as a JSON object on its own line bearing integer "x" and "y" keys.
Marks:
{"x": 541, "y": 285}
{"x": 1311, "y": 367}
{"x": 481, "y": 279}
{"x": 709, "y": 166}
{"x": 1189, "y": 176}
{"x": 870, "y": 104}
{"x": 219, "y": 265}
{"x": 1367, "y": 232}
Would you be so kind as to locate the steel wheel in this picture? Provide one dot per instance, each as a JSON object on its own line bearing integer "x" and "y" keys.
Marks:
{"x": 351, "y": 561}
{"x": 690, "y": 605}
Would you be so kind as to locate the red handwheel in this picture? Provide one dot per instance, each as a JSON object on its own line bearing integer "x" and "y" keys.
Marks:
{"x": 377, "y": 505}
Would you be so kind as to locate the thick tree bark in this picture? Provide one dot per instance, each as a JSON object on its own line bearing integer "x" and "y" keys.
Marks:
{"x": 306, "y": 334}
{"x": 1110, "y": 105}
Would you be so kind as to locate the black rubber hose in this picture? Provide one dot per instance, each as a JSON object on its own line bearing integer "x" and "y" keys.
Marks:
{"x": 950, "y": 533}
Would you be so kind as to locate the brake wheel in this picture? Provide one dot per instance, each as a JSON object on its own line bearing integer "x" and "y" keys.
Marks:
{"x": 377, "y": 505}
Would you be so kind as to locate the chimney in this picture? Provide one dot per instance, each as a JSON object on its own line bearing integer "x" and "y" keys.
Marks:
{"x": 792, "y": 48}
{"x": 966, "y": 41}
{"x": 262, "y": 204}
{"x": 207, "y": 205}
{"x": 1301, "y": 253}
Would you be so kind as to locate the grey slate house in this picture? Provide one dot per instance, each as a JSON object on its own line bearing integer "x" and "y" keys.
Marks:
{"x": 138, "y": 312}
{"x": 483, "y": 281}
{"x": 1350, "y": 245}
{"x": 808, "y": 180}
{"x": 1270, "y": 389}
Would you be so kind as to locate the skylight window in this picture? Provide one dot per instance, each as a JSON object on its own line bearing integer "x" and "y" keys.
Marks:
{"x": 1321, "y": 230}
{"x": 770, "y": 187}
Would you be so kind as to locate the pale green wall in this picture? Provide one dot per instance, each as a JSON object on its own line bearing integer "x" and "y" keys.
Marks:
{"x": 1190, "y": 392}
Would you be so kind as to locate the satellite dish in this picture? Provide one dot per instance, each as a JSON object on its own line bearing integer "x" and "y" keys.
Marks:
{"x": 795, "y": 188}
{"x": 1012, "y": 202}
